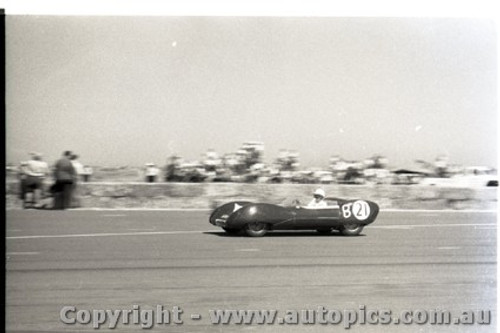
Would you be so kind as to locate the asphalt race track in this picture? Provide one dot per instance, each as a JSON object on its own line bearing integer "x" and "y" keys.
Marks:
{"x": 116, "y": 259}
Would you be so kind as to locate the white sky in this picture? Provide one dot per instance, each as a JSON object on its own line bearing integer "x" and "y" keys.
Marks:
{"x": 135, "y": 89}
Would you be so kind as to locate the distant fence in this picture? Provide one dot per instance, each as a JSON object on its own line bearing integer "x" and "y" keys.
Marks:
{"x": 208, "y": 195}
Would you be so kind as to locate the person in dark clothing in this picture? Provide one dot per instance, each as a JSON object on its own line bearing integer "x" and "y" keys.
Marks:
{"x": 65, "y": 176}
{"x": 21, "y": 175}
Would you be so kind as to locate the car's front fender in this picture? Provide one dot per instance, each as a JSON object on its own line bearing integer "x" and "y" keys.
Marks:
{"x": 265, "y": 213}
{"x": 223, "y": 212}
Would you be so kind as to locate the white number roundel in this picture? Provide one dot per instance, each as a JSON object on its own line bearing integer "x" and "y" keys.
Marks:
{"x": 361, "y": 210}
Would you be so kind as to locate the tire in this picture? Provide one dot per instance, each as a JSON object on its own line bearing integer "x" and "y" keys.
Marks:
{"x": 231, "y": 231}
{"x": 351, "y": 229}
{"x": 256, "y": 229}
{"x": 324, "y": 231}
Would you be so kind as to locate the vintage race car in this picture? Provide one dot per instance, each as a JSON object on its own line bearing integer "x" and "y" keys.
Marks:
{"x": 349, "y": 217}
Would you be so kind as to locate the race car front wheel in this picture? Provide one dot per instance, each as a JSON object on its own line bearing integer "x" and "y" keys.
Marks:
{"x": 232, "y": 231}
{"x": 256, "y": 229}
{"x": 351, "y": 229}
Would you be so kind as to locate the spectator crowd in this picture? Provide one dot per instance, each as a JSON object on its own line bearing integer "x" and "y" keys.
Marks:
{"x": 246, "y": 165}
{"x": 55, "y": 187}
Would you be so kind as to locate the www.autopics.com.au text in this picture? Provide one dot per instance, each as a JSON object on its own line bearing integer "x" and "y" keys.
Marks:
{"x": 160, "y": 315}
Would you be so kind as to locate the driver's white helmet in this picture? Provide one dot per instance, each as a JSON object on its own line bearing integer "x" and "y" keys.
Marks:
{"x": 319, "y": 192}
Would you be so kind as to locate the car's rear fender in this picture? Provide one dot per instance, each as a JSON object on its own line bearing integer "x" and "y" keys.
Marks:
{"x": 361, "y": 212}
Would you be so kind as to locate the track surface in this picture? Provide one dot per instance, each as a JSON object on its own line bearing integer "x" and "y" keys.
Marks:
{"x": 117, "y": 259}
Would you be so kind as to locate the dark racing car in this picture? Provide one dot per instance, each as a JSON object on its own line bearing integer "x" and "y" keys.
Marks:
{"x": 349, "y": 217}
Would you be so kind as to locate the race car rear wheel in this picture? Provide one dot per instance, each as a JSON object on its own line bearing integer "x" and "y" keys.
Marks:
{"x": 324, "y": 231}
{"x": 256, "y": 229}
{"x": 352, "y": 229}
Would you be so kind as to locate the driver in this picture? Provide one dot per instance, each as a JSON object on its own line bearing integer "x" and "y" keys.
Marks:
{"x": 319, "y": 199}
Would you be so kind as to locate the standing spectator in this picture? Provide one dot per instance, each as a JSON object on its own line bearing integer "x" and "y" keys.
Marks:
{"x": 172, "y": 169}
{"x": 75, "y": 198}
{"x": 87, "y": 173}
{"x": 35, "y": 172}
{"x": 151, "y": 172}
{"x": 21, "y": 175}
{"x": 65, "y": 176}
